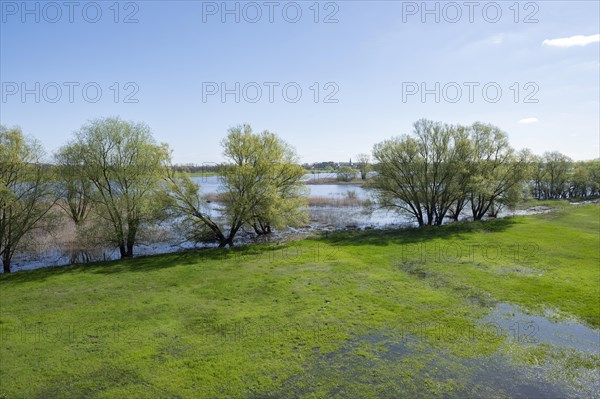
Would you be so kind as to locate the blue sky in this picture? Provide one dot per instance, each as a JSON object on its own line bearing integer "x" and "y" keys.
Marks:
{"x": 371, "y": 65}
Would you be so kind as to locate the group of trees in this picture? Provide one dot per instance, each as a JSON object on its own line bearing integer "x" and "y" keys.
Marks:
{"x": 205, "y": 168}
{"x": 112, "y": 180}
{"x": 555, "y": 175}
{"x": 441, "y": 169}
{"x": 347, "y": 173}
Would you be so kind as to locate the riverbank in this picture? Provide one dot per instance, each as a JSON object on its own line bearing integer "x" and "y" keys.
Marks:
{"x": 354, "y": 314}
{"x": 326, "y": 214}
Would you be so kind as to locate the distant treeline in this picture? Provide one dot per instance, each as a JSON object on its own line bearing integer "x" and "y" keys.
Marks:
{"x": 213, "y": 167}
{"x": 195, "y": 168}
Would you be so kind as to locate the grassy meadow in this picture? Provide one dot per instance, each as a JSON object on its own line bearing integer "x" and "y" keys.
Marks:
{"x": 374, "y": 313}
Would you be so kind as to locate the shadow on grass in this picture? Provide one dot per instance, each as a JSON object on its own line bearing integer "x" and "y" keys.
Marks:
{"x": 228, "y": 256}
{"x": 413, "y": 235}
{"x": 147, "y": 263}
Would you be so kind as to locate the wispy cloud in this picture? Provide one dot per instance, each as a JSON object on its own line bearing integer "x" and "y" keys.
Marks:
{"x": 497, "y": 39}
{"x": 529, "y": 120}
{"x": 578, "y": 40}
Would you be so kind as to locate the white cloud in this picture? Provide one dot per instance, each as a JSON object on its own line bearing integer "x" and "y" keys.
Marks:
{"x": 529, "y": 120}
{"x": 578, "y": 40}
{"x": 497, "y": 39}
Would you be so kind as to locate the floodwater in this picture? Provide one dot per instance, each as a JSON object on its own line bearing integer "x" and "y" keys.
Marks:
{"x": 210, "y": 185}
{"x": 534, "y": 330}
{"x": 321, "y": 218}
{"x": 375, "y": 366}
{"x": 385, "y": 364}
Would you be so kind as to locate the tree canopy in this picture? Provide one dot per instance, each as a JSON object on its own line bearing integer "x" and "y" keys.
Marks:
{"x": 26, "y": 193}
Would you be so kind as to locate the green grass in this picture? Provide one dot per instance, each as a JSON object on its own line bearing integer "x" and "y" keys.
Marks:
{"x": 250, "y": 322}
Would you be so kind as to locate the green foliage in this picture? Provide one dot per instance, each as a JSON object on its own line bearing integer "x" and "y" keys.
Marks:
{"x": 75, "y": 188}
{"x": 262, "y": 188}
{"x": 421, "y": 174}
{"x": 440, "y": 169}
{"x": 263, "y": 184}
{"x": 363, "y": 163}
{"x": 25, "y": 191}
{"x": 346, "y": 174}
{"x": 495, "y": 172}
{"x": 553, "y": 174}
{"x": 556, "y": 176}
{"x": 183, "y": 198}
{"x": 125, "y": 167}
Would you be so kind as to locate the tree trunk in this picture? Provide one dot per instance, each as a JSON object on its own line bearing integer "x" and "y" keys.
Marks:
{"x": 458, "y": 208}
{"x": 439, "y": 219}
{"x": 126, "y": 249}
{"x": 122, "y": 250}
{"x": 232, "y": 232}
{"x": 129, "y": 249}
{"x": 6, "y": 258}
{"x": 480, "y": 209}
{"x": 430, "y": 219}
{"x": 261, "y": 229}
{"x": 225, "y": 242}
{"x": 5, "y": 265}
{"x": 131, "y": 234}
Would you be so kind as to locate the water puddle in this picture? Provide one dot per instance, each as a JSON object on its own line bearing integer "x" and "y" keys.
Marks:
{"x": 392, "y": 363}
{"x": 529, "y": 329}
{"x": 376, "y": 365}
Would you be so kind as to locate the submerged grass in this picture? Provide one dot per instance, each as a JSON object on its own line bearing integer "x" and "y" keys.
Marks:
{"x": 248, "y": 322}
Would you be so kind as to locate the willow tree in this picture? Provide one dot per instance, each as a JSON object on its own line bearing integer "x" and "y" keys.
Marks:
{"x": 558, "y": 169}
{"x": 125, "y": 165}
{"x": 261, "y": 188}
{"x": 184, "y": 201}
{"x": 345, "y": 174}
{"x": 496, "y": 171}
{"x": 417, "y": 174}
{"x": 363, "y": 163}
{"x": 26, "y": 194}
{"x": 585, "y": 179}
{"x": 262, "y": 183}
{"x": 75, "y": 189}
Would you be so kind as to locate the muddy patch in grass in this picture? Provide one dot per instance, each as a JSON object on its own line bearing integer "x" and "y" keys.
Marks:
{"x": 437, "y": 280}
{"x": 379, "y": 366}
{"x": 520, "y": 271}
{"x": 382, "y": 365}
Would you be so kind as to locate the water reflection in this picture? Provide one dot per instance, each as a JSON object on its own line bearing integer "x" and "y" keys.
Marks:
{"x": 212, "y": 184}
{"x": 540, "y": 330}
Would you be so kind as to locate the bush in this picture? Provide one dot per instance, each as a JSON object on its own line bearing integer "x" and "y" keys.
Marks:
{"x": 346, "y": 173}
